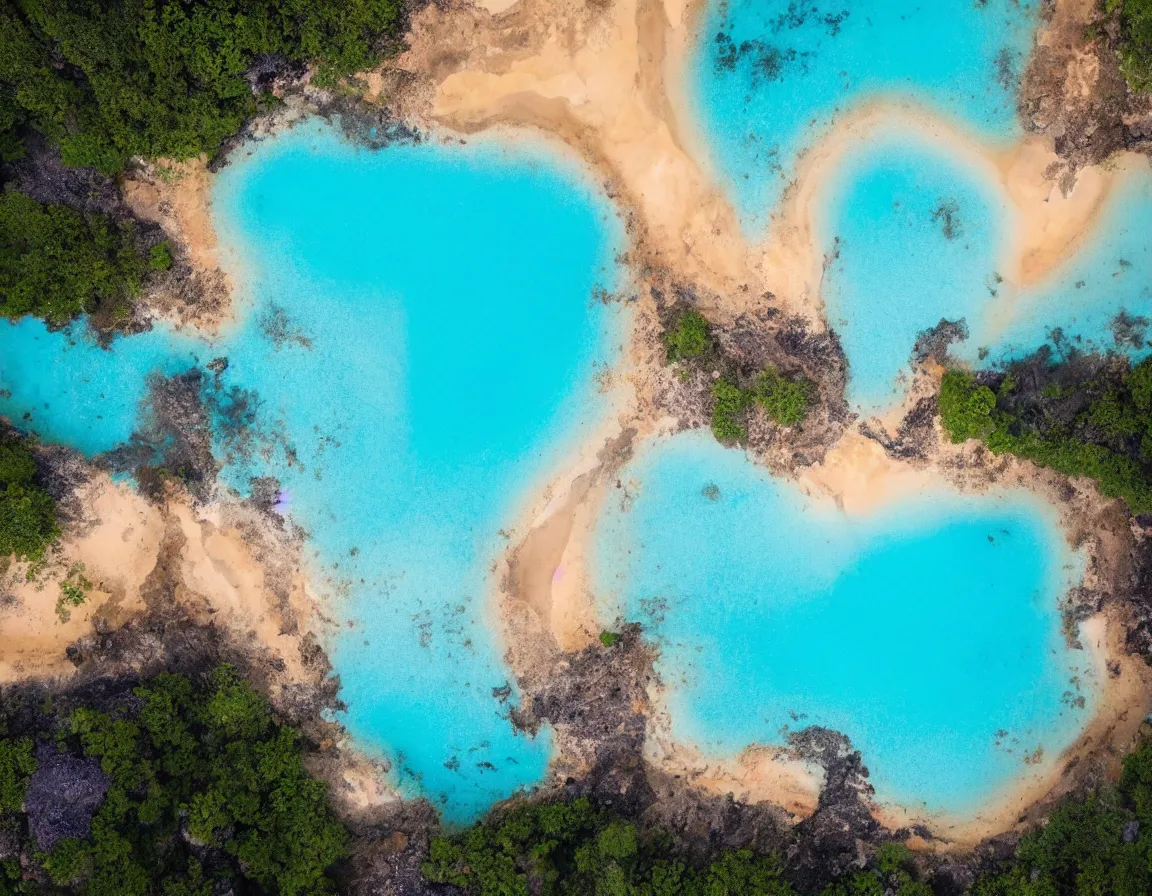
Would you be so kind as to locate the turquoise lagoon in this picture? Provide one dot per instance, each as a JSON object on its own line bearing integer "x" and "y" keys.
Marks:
{"x": 420, "y": 333}
{"x": 767, "y": 78}
{"x": 927, "y": 632}
{"x": 918, "y": 237}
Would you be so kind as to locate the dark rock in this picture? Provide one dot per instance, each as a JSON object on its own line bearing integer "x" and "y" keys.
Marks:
{"x": 63, "y": 795}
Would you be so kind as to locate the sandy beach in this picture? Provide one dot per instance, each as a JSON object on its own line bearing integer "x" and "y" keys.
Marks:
{"x": 606, "y": 81}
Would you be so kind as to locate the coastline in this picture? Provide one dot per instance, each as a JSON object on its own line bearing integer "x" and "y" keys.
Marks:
{"x": 645, "y": 147}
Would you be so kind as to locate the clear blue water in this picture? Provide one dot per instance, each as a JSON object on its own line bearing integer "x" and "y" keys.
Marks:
{"x": 441, "y": 345}
{"x": 805, "y": 62}
{"x": 920, "y": 237}
{"x": 1109, "y": 275}
{"x": 926, "y": 632}
{"x": 916, "y": 241}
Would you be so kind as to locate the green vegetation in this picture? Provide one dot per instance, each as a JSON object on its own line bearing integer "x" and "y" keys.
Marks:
{"x": 27, "y": 512}
{"x": 784, "y": 400}
{"x": 609, "y": 639}
{"x": 688, "y": 340}
{"x": 160, "y": 257}
{"x": 688, "y": 336}
{"x": 204, "y": 786}
{"x": 1135, "y": 41}
{"x": 74, "y": 590}
{"x": 109, "y": 81}
{"x": 1097, "y": 845}
{"x": 1101, "y": 428}
{"x": 16, "y": 766}
{"x": 56, "y": 263}
{"x": 729, "y": 411}
{"x": 576, "y": 848}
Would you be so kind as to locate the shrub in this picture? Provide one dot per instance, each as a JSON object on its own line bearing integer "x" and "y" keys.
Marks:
{"x": 17, "y": 763}
{"x": 209, "y": 760}
{"x": 56, "y": 263}
{"x": 109, "y": 81}
{"x": 784, "y": 400}
{"x": 160, "y": 257}
{"x": 688, "y": 337}
{"x": 965, "y": 407}
{"x": 729, "y": 412}
{"x": 27, "y": 513}
{"x": 1135, "y": 41}
{"x": 1109, "y": 441}
{"x": 575, "y": 847}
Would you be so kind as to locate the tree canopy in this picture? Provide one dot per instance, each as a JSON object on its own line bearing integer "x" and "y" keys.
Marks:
{"x": 1100, "y": 427}
{"x": 203, "y": 787}
{"x": 109, "y": 81}
{"x": 27, "y": 512}
{"x": 57, "y": 263}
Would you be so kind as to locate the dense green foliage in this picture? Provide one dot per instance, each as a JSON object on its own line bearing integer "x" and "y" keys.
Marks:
{"x": 16, "y": 766}
{"x": 688, "y": 336}
{"x": 109, "y": 81}
{"x": 56, "y": 263}
{"x": 204, "y": 785}
{"x": 576, "y": 848}
{"x": 1100, "y": 428}
{"x": 729, "y": 411}
{"x": 688, "y": 340}
{"x": 27, "y": 512}
{"x": 1135, "y": 41}
{"x": 1097, "y": 846}
{"x": 784, "y": 400}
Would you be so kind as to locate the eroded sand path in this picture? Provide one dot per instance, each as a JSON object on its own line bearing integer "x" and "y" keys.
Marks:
{"x": 608, "y": 80}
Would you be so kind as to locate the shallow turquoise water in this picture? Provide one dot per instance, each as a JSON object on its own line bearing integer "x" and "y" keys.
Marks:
{"x": 927, "y": 632}
{"x": 915, "y": 238}
{"x": 422, "y": 338}
{"x": 918, "y": 237}
{"x": 768, "y": 77}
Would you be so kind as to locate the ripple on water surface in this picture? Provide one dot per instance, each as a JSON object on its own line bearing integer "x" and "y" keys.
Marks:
{"x": 927, "y": 632}
{"x": 420, "y": 340}
{"x": 768, "y": 77}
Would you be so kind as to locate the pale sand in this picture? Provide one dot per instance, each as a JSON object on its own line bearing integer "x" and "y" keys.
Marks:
{"x": 610, "y": 82}
{"x": 759, "y": 774}
{"x": 859, "y": 477}
{"x": 223, "y": 577}
{"x": 605, "y": 79}
{"x": 118, "y": 550}
{"x": 1045, "y": 225}
{"x": 1125, "y": 700}
{"x": 177, "y": 196}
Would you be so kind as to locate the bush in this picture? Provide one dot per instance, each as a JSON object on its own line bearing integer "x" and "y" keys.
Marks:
{"x": 577, "y": 848}
{"x": 784, "y": 400}
{"x": 1099, "y": 429}
{"x": 965, "y": 407}
{"x": 109, "y": 81}
{"x": 160, "y": 257}
{"x": 27, "y": 513}
{"x": 1135, "y": 41}
{"x": 196, "y": 771}
{"x": 688, "y": 337}
{"x": 729, "y": 412}
{"x": 56, "y": 263}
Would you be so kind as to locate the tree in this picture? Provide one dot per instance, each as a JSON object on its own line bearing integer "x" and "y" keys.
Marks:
{"x": 27, "y": 512}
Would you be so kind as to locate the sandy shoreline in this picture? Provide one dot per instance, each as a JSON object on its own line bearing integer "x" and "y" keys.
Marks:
{"x": 607, "y": 83}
